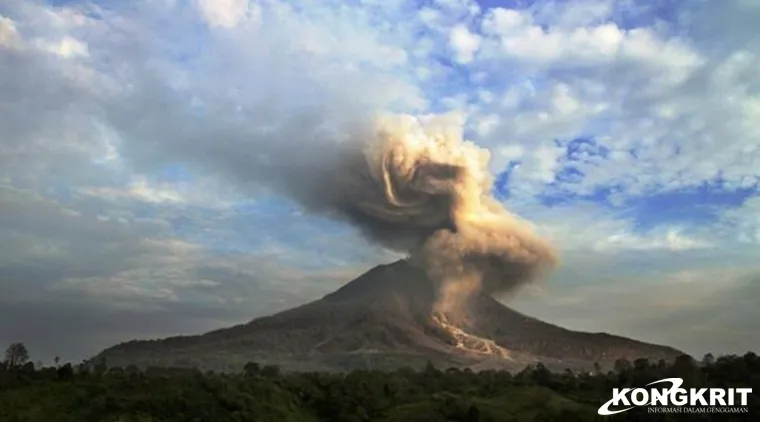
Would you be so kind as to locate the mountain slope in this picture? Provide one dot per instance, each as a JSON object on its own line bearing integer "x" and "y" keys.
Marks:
{"x": 384, "y": 319}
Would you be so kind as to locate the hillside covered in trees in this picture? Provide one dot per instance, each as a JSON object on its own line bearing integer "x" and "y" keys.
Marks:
{"x": 97, "y": 392}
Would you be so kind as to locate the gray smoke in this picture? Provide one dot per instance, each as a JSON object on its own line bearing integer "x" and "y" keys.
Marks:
{"x": 304, "y": 128}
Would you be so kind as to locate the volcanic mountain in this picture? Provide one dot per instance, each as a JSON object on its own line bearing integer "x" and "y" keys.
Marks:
{"x": 384, "y": 319}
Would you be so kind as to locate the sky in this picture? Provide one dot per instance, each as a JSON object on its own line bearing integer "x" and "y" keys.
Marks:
{"x": 133, "y": 134}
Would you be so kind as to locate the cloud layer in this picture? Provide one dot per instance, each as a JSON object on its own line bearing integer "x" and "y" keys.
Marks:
{"x": 134, "y": 141}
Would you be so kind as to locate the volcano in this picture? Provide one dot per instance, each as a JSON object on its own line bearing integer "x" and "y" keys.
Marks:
{"x": 385, "y": 319}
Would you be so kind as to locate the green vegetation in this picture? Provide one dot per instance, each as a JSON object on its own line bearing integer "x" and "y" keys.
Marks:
{"x": 95, "y": 392}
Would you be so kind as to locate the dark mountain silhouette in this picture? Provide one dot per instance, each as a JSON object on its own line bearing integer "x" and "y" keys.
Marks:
{"x": 384, "y": 319}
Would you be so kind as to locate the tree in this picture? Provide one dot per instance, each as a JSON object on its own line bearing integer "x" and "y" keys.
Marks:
{"x": 252, "y": 369}
{"x": 541, "y": 375}
{"x": 101, "y": 367}
{"x": 57, "y": 361}
{"x": 65, "y": 372}
{"x": 708, "y": 359}
{"x": 132, "y": 370}
{"x": 641, "y": 364}
{"x": 270, "y": 371}
{"x": 686, "y": 368}
{"x": 622, "y": 365}
{"x": 473, "y": 414}
{"x": 16, "y": 355}
{"x": 27, "y": 368}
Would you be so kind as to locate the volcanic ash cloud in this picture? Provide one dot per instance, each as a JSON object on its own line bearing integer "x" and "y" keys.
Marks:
{"x": 417, "y": 185}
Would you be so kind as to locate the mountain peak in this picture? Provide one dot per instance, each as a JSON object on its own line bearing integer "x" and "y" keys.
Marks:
{"x": 399, "y": 276}
{"x": 384, "y": 319}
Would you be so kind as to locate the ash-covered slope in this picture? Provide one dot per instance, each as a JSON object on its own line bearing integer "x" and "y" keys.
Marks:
{"x": 384, "y": 319}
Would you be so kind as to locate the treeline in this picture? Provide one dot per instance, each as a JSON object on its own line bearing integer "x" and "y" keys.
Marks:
{"x": 94, "y": 392}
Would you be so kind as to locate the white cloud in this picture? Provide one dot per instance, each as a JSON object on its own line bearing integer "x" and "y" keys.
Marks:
{"x": 486, "y": 124}
{"x": 227, "y": 13}
{"x": 671, "y": 240}
{"x": 464, "y": 43}
{"x": 584, "y": 227}
{"x": 745, "y": 221}
{"x": 537, "y": 165}
{"x": 65, "y": 47}
{"x": 8, "y": 34}
{"x": 510, "y": 152}
{"x": 140, "y": 189}
{"x": 681, "y": 104}
{"x": 501, "y": 21}
{"x": 578, "y": 13}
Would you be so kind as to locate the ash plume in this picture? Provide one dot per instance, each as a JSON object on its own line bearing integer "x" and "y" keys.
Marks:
{"x": 417, "y": 185}
{"x": 411, "y": 184}
{"x": 272, "y": 114}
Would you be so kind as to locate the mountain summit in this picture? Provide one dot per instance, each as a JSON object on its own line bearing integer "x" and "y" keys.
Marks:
{"x": 385, "y": 319}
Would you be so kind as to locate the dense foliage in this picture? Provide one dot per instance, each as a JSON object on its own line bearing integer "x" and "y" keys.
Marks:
{"x": 90, "y": 392}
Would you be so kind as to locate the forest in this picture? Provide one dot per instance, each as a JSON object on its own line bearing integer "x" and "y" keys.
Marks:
{"x": 93, "y": 391}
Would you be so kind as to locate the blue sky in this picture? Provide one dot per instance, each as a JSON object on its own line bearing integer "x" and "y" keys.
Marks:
{"x": 137, "y": 136}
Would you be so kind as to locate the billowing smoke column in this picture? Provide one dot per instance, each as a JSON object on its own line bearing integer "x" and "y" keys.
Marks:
{"x": 418, "y": 186}
{"x": 411, "y": 184}
{"x": 271, "y": 115}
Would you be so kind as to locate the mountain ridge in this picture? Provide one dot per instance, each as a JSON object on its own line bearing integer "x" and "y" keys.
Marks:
{"x": 384, "y": 319}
